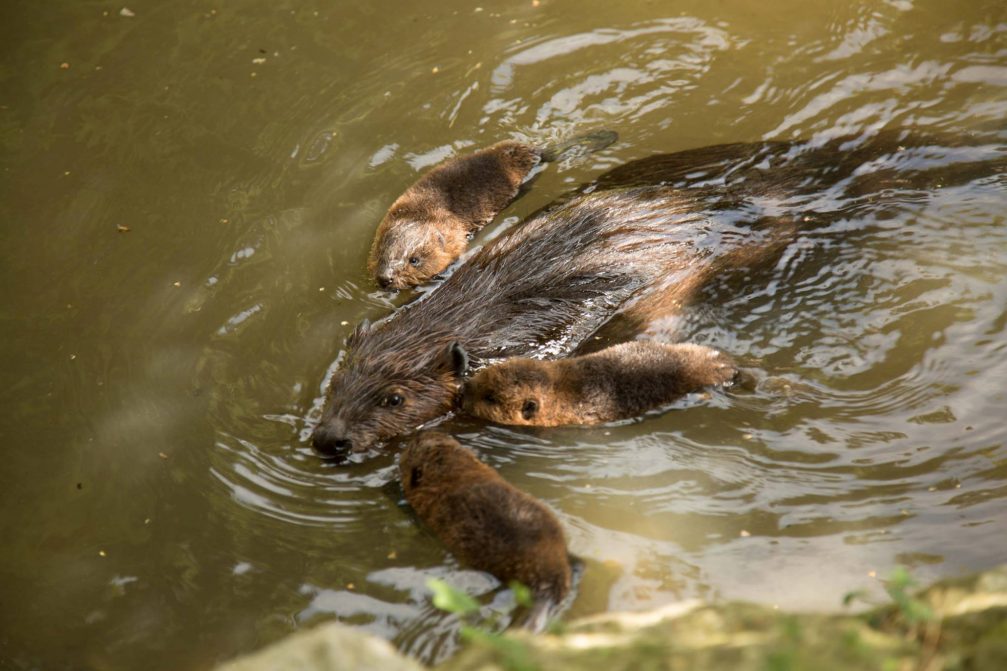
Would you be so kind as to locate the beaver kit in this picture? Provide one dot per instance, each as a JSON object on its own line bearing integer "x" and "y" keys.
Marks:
{"x": 484, "y": 521}
{"x": 429, "y": 226}
{"x": 620, "y": 382}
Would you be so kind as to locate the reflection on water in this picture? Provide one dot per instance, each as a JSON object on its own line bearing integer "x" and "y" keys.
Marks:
{"x": 161, "y": 500}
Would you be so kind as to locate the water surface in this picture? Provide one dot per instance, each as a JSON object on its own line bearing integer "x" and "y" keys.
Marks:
{"x": 162, "y": 508}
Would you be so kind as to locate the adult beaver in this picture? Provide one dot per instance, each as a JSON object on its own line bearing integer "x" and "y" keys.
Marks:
{"x": 619, "y": 382}
{"x": 544, "y": 288}
{"x": 541, "y": 290}
{"x": 485, "y": 522}
{"x": 431, "y": 223}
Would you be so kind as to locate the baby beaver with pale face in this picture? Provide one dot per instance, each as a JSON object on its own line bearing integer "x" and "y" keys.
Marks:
{"x": 430, "y": 225}
{"x": 619, "y": 382}
{"x": 485, "y": 522}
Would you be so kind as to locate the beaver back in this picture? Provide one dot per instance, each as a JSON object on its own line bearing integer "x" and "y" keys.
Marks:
{"x": 484, "y": 521}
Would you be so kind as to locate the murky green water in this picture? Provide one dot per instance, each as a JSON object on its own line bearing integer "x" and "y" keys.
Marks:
{"x": 162, "y": 508}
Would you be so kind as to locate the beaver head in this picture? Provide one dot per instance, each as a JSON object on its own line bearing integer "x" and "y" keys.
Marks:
{"x": 433, "y": 459}
{"x": 414, "y": 243}
{"x": 381, "y": 394}
{"x": 518, "y": 391}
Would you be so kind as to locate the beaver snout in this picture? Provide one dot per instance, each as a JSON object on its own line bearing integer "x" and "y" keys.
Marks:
{"x": 331, "y": 440}
{"x": 385, "y": 280}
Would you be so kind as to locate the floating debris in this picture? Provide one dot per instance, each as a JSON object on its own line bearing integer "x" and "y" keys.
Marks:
{"x": 122, "y": 228}
{"x": 64, "y": 66}
{"x": 127, "y": 12}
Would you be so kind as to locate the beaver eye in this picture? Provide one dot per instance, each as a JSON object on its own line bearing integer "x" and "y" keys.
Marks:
{"x": 529, "y": 409}
{"x": 393, "y": 400}
{"x": 414, "y": 260}
{"x": 490, "y": 398}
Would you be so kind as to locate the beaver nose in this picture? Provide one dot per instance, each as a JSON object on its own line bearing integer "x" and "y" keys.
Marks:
{"x": 331, "y": 441}
{"x": 384, "y": 281}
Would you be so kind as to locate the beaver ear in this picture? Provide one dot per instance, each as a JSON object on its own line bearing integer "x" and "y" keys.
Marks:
{"x": 460, "y": 358}
{"x": 414, "y": 476}
{"x": 455, "y": 360}
{"x": 441, "y": 240}
{"x": 362, "y": 328}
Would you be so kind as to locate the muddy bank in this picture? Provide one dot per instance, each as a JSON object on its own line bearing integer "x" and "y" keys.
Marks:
{"x": 955, "y": 624}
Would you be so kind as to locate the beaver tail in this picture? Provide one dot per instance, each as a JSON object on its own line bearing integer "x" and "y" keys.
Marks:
{"x": 539, "y": 615}
{"x": 577, "y": 146}
{"x": 551, "y": 598}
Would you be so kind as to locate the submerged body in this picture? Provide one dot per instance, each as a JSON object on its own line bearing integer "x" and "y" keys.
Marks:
{"x": 619, "y": 382}
{"x": 484, "y": 521}
{"x": 635, "y": 252}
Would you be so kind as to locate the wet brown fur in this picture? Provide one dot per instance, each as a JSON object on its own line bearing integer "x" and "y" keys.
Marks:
{"x": 618, "y": 253}
{"x": 484, "y": 521}
{"x": 543, "y": 288}
{"x": 434, "y": 219}
{"x": 619, "y": 382}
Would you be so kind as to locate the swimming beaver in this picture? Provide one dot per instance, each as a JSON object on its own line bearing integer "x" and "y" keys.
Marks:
{"x": 544, "y": 287}
{"x": 429, "y": 225}
{"x": 619, "y": 382}
{"x": 485, "y": 522}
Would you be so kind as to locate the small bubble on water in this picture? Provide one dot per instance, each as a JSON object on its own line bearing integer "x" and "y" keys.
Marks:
{"x": 241, "y": 568}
